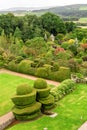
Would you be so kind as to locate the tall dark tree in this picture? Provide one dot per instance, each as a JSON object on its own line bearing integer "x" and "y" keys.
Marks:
{"x": 53, "y": 23}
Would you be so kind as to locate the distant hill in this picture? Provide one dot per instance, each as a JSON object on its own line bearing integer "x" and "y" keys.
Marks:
{"x": 70, "y": 11}
{"x": 77, "y": 10}
{"x": 21, "y": 9}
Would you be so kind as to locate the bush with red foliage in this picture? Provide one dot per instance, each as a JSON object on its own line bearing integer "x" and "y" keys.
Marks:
{"x": 59, "y": 49}
{"x": 84, "y": 46}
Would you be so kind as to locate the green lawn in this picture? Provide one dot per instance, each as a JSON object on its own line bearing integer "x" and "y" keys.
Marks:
{"x": 71, "y": 109}
{"x": 8, "y": 84}
{"x": 72, "y": 113}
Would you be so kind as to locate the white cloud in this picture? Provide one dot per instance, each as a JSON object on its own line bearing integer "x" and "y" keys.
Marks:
{"x": 37, "y": 3}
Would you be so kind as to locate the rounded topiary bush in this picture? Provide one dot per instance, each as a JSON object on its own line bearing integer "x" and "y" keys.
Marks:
{"x": 25, "y": 105}
{"x": 43, "y": 94}
{"x": 40, "y": 84}
{"x": 28, "y": 112}
{"x": 24, "y": 89}
{"x": 22, "y": 100}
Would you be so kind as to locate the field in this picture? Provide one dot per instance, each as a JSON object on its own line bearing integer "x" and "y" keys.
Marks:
{"x": 83, "y": 8}
{"x": 83, "y": 20}
{"x": 71, "y": 109}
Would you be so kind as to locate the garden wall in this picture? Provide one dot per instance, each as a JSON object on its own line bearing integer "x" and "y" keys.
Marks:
{"x": 6, "y": 120}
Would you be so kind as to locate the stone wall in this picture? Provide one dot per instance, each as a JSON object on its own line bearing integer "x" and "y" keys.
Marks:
{"x": 6, "y": 120}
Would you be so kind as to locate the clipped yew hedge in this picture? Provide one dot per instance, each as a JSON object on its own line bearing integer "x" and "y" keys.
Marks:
{"x": 27, "y": 110}
{"x": 22, "y": 100}
{"x": 43, "y": 95}
{"x": 25, "y": 106}
{"x": 40, "y": 84}
{"x": 43, "y": 92}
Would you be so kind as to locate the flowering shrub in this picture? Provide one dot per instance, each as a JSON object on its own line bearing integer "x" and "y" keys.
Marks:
{"x": 59, "y": 49}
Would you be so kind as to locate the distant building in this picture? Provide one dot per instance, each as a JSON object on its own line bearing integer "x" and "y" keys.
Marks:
{"x": 52, "y": 37}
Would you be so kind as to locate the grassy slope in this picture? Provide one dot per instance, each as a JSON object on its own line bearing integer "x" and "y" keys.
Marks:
{"x": 83, "y": 8}
{"x": 8, "y": 84}
{"x": 83, "y": 20}
{"x": 71, "y": 114}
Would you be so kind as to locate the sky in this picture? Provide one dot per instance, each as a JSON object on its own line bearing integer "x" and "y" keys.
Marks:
{"x": 5, "y": 4}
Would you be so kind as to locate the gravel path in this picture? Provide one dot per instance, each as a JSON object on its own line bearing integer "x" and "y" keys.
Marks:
{"x": 27, "y": 76}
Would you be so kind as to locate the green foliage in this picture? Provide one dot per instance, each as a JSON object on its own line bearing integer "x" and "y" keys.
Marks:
{"x": 40, "y": 84}
{"x": 24, "y": 89}
{"x": 83, "y": 71}
{"x": 42, "y": 72}
{"x": 28, "y": 117}
{"x": 70, "y": 26}
{"x": 62, "y": 74}
{"x": 17, "y": 33}
{"x": 42, "y": 93}
{"x": 65, "y": 45}
{"x": 52, "y": 23}
{"x": 63, "y": 89}
{"x": 24, "y": 66}
{"x": 73, "y": 65}
{"x": 27, "y": 110}
{"x": 12, "y": 65}
{"x": 55, "y": 67}
{"x": 24, "y": 100}
{"x": 1, "y": 64}
{"x": 47, "y": 100}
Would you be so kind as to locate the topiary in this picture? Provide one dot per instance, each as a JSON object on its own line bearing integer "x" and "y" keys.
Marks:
{"x": 40, "y": 84}
{"x": 23, "y": 100}
{"x": 42, "y": 72}
{"x": 24, "y": 89}
{"x": 43, "y": 92}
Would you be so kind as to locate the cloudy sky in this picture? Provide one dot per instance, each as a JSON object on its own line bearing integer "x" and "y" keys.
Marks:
{"x": 5, "y": 4}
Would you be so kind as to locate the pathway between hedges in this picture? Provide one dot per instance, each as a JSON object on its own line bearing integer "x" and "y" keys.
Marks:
{"x": 27, "y": 76}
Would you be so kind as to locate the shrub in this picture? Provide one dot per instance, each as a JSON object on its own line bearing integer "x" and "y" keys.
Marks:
{"x": 65, "y": 45}
{"x": 27, "y": 110}
{"x": 28, "y": 117}
{"x": 73, "y": 65}
{"x": 84, "y": 58}
{"x": 79, "y": 61}
{"x": 1, "y": 64}
{"x": 12, "y": 66}
{"x": 24, "y": 65}
{"x": 23, "y": 100}
{"x": 40, "y": 84}
{"x": 43, "y": 92}
{"x": 47, "y": 100}
{"x": 31, "y": 71}
{"x": 24, "y": 89}
{"x": 64, "y": 88}
{"x": 84, "y": 64}
{"x": 19, "y": 59}
{"x": 1, "y": 51}
{"x": 42, "y": 72}
{"x": 62, "y": 74}
{"x": 83, "y": 71}
{"x": 55, "y": 67}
